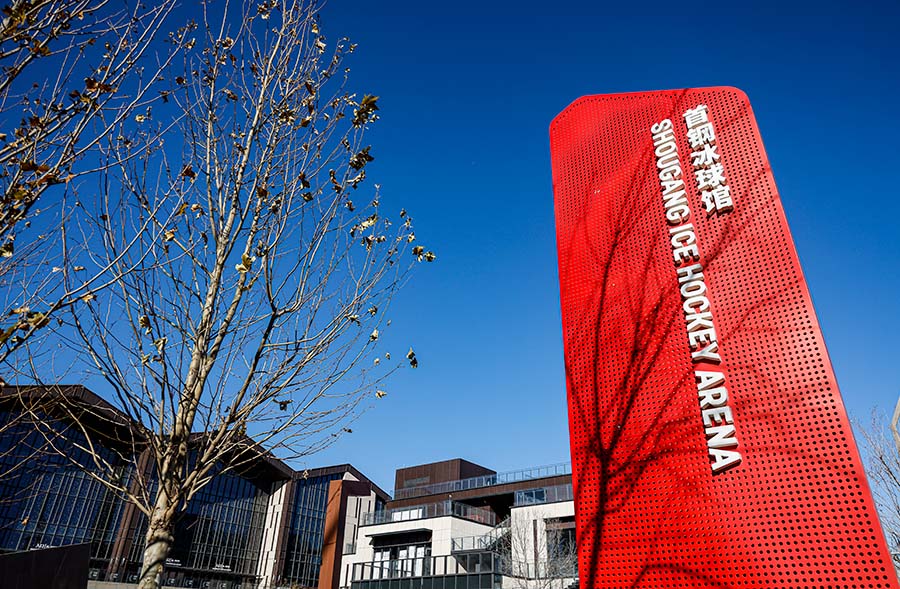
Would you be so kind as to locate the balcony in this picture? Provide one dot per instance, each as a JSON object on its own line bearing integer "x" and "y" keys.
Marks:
{"x": 440, "y": 509}
{"x": 493, "y": 541}
{"x": 486, "y": 543}
{"x": 526, "y": 474}
{"x": 431, "y": 566}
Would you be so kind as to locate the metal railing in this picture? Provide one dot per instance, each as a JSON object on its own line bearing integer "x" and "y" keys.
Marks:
{"x": 429, "y": 566}
{"x": 563, "y": 567}
{"x": 488, "y": 541}
{"x": 440, "y": 509}
{"x": 462, "y": 564}
{"x": 543, "y": 495}
{"x": 474, "y": 543}
{"x": 514, "y": 476}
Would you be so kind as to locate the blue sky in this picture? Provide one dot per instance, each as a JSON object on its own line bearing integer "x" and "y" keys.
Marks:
{"x": 467, "y": 93}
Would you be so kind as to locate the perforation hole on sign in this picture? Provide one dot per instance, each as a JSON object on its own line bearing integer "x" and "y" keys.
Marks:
{"x": 796, "y": 512}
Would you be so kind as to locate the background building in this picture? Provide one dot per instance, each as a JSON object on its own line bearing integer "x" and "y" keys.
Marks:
{"x": 262, "y": 525}
{"x": 458, "y": 525}
{"x": 453, "y": 524}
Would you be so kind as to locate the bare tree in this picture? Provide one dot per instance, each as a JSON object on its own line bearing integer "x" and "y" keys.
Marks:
{"x": 541, "y": 553}
{"x": 73, "y": 71}
{"x": 253, "y": 271}
{"x": 882, "y": 462}
{"x": 70, "y": 75}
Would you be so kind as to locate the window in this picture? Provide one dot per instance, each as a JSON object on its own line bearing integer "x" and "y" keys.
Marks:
{"x": 402, "y": 561}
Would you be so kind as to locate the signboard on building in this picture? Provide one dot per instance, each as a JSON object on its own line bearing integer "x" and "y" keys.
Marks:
{"x": 710, "y": 445}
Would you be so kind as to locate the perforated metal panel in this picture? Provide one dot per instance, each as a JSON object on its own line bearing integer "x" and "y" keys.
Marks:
{"x": 796, "y": 512}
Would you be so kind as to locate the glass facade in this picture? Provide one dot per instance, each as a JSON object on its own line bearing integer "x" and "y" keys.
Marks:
{"x": 47, "y": 501}
{"x": 222, "y": 528}
{"x": 217, "y": 538}
{"x": 552, "y": 494}
{"x": 302, "y": 551}
{"x": 405, "y": 561}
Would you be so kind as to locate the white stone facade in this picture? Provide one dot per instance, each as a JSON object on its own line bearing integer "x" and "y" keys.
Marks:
{"x": 521, "y": 550}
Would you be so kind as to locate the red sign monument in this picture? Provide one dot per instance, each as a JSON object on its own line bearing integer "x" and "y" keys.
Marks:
{"x": 710, "y": 445}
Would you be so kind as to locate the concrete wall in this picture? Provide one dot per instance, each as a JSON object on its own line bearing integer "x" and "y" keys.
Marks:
{"x": 275, "y": 521}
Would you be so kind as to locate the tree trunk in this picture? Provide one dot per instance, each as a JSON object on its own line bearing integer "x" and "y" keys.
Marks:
{"x": 158, "y": 541}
